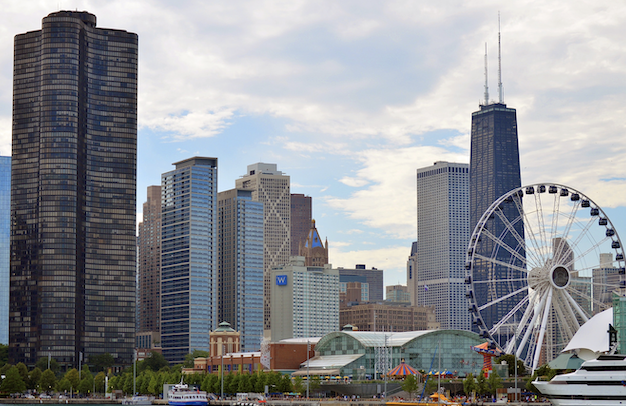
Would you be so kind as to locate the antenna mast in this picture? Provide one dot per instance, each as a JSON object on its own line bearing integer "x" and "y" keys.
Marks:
{"x": 486, "y": 84}
{"x": 500, "y": 95}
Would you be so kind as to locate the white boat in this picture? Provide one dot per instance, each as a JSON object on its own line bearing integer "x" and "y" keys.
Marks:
{"x": 182, "y": 395}
{"x": 601, "y": 381}
{"x": 138, "y": 400}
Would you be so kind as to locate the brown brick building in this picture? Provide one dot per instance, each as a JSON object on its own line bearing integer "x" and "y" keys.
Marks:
{"x": 389, "y": 317}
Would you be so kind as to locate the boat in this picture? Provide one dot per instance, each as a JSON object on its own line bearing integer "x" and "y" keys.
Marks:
{"x": 434, "y": 400}
{"x": 600, "y": 381}
{"x": 138, "y": 400}
{"x": 182, "y": 395}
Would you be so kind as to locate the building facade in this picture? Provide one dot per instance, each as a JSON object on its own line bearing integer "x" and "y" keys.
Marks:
{"x": 240, "y": 259}
{"x": 397, "y": 294}
{"x": 5, "y": 245}
{"x": 443, "y": 235}
{"x": 149, "y": 266}
{"x": 272, "y": 188}
{"x": 73, "y": 192}
{"x": 305, "y": 300}
{"x": 494, "y": 171}
{"x": 314, "y": 251}
{"x": 389, "y": 317}
{"x": 371, "y": 281}
{"x": 411, "y": 274}
{"x": 188, "y": 257}
{"x": 301, "y": 215}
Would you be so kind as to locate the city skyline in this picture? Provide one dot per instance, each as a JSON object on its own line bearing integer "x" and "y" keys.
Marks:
{"x": 351, "y": 101}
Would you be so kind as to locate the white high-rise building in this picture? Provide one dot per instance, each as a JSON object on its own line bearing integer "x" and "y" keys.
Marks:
{"x": 443, "y": 236}
{"x": 271, "y": 187}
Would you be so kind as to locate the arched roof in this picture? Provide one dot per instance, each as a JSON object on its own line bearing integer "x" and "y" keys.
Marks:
{"x": 370, "y": 339}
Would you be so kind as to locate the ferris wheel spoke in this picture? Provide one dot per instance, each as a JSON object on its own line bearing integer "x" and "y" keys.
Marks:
{"x": 555, "y": 217}
{"x": 531, "y": 325}
{"x": 529, "y": 236}
{"x": 542, "y": 330}
{"x": 541, "y": 223}
{"x": 498, "y": 262}
{"x": 502, "y": 298}
{"x": 502, "y": 244}
{"x": 567, "y": 229}
{"x": 570, "y": 311}
{"x": 589, "y": 298}
{"x": 565, "y": 325}
{"x": 513, "y": 232}
{"x": 575, "y": 305}
{"x": 508, "y": 316}
{"x": 489, "y": 281}
{"x": 592, "y": 248}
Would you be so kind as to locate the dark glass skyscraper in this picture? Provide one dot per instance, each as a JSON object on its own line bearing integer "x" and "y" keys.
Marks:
{"x": 73, "y": 191}
{"x": 494, "y": 171}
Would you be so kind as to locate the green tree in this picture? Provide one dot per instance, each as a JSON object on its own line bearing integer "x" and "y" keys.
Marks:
{"x": 23, "y": 370}
{"x": 99, "y": 381}
{"x": 285, "y": 384}
{"x": 298, "y": 385}
{"x": 510, "y": 360}
{"x": 244, "y": 383}
{"x": 188, "y": 363}
{"x": 34, "y": 377}
{"x": 315, "y": 383}
{"x": 233, "y": 385}
{"x": 155, "y": 362}
{"x": 48, "y": 381}
{"x": 101, "y": 362}
{"x": 494, "y": 382}
{"x": 261, "y": 379}
{"x": 469, "y": 384}
{"x": 73, "y": 378}
{"x": 481, "y": 384}
{"x": 128, "y": 383}
{"x": 13, "y": 382}
{"x": 64, "y": 385}
{"x": 114, "y": 383}
{"x": 4, "y": 354}
{"x": 5, "y": 369}
{"x": 431, "y": 385}
{"x": 43, "y": 364}
{"x": 86, "y": 383}
{"x": 410, "y": 384}
{"x": 153, "y": 385}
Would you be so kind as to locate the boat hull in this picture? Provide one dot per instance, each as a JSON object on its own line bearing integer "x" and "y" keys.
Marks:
{"x": 575, "y": 395}
{"x": 187, "y": 402}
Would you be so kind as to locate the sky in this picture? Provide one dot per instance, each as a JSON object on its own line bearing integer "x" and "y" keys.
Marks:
{"x": 349, "y": 98}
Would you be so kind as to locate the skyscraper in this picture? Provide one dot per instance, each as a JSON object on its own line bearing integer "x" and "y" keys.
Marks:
{"x": 149, "y": 266}
{"x": 188, "y": 257}
{"x": 271, "y": 187}
{"x": 314, "y": 251}
{"x": 301, "y": 215}
{"x": 5, "y": 234}
{"x": 371, "y": 281}
{"x": 443, "y": 235}
{"x": 240, "y": 253}
{"x": 73, "y": 192}
{"x": 494, "y": 171}
{"x": 411, "y": 274}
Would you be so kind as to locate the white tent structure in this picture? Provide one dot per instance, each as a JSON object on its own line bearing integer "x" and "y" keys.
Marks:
{"x": 592, "y": 338}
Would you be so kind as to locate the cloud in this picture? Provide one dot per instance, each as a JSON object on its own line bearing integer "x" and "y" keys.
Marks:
{"x": 389, "y": 259}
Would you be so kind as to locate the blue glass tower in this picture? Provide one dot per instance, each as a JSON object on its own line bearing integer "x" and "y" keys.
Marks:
{"x": 5, "y": 233}
{"x": 188, "y": 257}
{"x": 240, "y": 255}
{"x": 494, "y": 171}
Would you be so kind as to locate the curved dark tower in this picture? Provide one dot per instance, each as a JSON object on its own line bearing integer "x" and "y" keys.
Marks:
{"x": 494, "y": 171}
{"x": 73, "y": 192}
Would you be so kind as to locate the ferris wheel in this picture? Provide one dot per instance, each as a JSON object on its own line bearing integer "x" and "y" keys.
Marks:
{"x": 542, "y": 260}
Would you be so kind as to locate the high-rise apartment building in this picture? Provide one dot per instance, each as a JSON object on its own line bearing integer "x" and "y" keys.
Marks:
{"x": 270, "y": 187}
{"x": 301, "y": 215}
{"x": 240, "y": 258}
{"x": 73, "y": 192}
{"x": 443, "y": 235}
{"x": 188, "y": 257}
{"x": 305, "y": 300}
{"x": 149, "y": 266}
{"x": 494, "y": 171}
{"x": 5, "y": 234}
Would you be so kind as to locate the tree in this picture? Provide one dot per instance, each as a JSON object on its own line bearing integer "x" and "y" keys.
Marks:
{"x": 298, "y": 385}
{"x": 285, "y": 384}
{"x": 48, "y": 381}
{"x": 510, "y": 360}
{"x": 494, "y": 382}
{"x": 128, "y": 383}
{"x": 64, "y": 385}
{"x": 155, "y": 362}
{"x": 34, "y": 377}
{"x": 99, "y": 381}
{"x": 101, "y": 362}
{"x": 481, "y": 384}
{"x": 73, "y": 378}
{"x": 43, "y": 364}
{"x": 469, "y": 384}
{"x": 23, "y": 370}
{"x": 13, "y": 382}
{"x": 314, "y": 383}
{"x": 410, "y": 384}
{"x": 188, "y": 363}
{"x": 4, "y": 354}
{"x": 430, "y": 385}
{"x": 153, "y": 385}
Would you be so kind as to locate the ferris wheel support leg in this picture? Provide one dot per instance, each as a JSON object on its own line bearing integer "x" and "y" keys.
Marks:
{"x": 542, "y": 331}
{"x": 529, "y": 330}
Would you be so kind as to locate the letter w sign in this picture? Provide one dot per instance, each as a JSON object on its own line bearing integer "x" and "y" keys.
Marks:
{"x": 281, "y": 280}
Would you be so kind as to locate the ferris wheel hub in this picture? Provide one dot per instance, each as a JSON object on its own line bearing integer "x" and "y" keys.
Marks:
{"x": 560, "y": 277}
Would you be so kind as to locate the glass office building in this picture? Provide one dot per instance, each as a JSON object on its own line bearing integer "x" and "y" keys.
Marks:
{"x": 188, "y": 257}
{"x": 240, "y": 254}
{"x": 73, "y": 192}
{"x": 5, "y": 233}
{"x": 494, "y": 171}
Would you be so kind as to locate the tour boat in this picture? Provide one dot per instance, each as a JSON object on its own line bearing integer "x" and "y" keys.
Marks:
{"x": 182, "y": 395}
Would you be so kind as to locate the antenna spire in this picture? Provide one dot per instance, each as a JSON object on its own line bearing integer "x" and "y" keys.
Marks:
{"x": 500, "y": 95}
{"x": 486, "y": 81}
